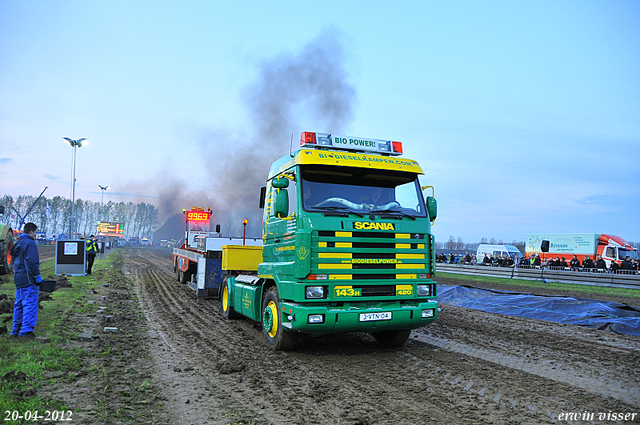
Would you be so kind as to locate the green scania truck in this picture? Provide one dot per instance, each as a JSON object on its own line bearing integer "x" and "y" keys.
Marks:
{"x": 347, "y": 246}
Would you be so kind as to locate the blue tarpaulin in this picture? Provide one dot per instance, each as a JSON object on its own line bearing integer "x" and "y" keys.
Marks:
{"x": 610, "y": 316}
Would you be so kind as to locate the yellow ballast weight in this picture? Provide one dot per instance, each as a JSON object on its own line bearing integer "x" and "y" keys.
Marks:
{"x": 239, "y": 257}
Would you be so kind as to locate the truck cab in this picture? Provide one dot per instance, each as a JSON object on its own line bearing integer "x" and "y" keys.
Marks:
{"x": 347, "y": 245}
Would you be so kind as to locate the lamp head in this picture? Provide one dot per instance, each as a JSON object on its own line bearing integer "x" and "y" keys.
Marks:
{"x": 74, "y": 143}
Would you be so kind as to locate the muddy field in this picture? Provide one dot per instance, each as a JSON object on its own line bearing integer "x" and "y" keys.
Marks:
{"x": 468, "y": 367}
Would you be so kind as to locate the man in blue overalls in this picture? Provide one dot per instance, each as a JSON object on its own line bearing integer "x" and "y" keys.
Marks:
{"x": 26, "y": 265}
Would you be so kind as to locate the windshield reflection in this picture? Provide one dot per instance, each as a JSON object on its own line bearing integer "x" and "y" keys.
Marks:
{"x": 361, "y": 191}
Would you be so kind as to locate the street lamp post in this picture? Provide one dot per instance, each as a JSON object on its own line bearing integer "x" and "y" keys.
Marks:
{"x": 72, "y": 220}
{"x": 103, "y": 189}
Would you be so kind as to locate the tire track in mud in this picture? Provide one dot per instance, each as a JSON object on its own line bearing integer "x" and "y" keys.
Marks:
{"x": 600, "y": 362}
{"x": 262, "y": 374}
{"x": 466, "y": 368}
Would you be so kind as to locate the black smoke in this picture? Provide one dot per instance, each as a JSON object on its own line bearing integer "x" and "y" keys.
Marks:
{"x": 303, "y": 91}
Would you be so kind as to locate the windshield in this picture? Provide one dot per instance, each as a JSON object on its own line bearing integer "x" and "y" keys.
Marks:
{"x": 361, "y": 191}
{"x": 622, "y": 253}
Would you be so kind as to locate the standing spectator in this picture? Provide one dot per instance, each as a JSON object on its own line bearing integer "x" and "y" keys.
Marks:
{"x": 563, "y": 263}
{"x": 486, "y": 260}
{"x": 516, "y": 262}
{"x": 626, "y": 264}
{"x": 574, "y": 263}
{"x": 600, "y": 264}
{"x": 613, "y": 267}
{"x": 536, "y": 260}
{"x": 92, "y": 250}
{"x": 26, "y": 266}
{"x": 587, "y": 263}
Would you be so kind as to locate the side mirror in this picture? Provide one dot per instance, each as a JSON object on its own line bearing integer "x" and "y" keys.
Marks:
{"x": 282, "y": 203}
{"x": 263, "y": 195}
{"x": 432, "y": 205}
{"x": 432, "y": 208}
{"x": 280, "y": 183}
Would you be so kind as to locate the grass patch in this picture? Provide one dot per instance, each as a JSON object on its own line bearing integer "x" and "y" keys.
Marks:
{"x": 556, "y": 286}
{"x": 26, "y": 365}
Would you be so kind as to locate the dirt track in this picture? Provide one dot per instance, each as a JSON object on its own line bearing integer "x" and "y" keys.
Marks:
{"x": 468, "y": 367}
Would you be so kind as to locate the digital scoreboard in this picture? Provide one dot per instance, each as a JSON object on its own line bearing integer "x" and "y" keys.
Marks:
{"x": 110, "y": 229}
{"x": 198, "y": 215}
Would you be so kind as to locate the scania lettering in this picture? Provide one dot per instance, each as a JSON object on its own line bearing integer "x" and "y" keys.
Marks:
{"x": 346, "y": 247}
{"x": 378, "y": 226}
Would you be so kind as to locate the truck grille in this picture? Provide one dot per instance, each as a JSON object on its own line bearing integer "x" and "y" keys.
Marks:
{"x": 350, "y": 256}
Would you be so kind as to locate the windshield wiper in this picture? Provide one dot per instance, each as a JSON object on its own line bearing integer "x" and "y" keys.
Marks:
{"x": 391, "y": 211}
{"x": 341, "y": 209}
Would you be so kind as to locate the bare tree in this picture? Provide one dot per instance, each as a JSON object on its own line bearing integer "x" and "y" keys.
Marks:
{"x": 451, "y": 244}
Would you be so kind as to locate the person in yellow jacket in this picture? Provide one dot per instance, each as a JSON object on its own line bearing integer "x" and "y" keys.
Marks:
{"x": 92, "y": 251}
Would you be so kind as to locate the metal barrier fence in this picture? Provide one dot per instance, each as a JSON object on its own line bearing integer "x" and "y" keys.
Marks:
{"x": 621, "y": 279}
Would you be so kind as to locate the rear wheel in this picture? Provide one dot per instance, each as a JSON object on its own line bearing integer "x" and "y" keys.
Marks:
{"x": 226, "y": 310}
{"x": 176, "y": 270}
{"x": 277, "y": 339}
{"x": 391, "y": 339}
{"x": 6, "y": 261}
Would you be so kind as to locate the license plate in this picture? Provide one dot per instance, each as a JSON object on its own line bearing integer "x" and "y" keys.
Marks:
{"x": 370, "y": 317}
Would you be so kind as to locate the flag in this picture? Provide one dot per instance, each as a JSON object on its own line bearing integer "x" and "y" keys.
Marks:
{"x": 48, "y": 210}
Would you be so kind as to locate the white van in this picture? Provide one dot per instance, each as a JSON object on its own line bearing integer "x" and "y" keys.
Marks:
{"x": 497, "y": 250}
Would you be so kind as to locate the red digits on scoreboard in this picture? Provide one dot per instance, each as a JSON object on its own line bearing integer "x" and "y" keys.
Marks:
{"x": 197, "y": 216}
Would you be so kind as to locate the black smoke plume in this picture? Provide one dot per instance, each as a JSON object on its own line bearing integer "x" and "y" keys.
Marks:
{"x": 295, "y": 92}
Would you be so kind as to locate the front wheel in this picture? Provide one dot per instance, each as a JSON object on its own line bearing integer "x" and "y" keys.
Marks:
{"x": 226, "y": 310}
{"x": 277, "y": 339}
{"x": 391, "y": 339}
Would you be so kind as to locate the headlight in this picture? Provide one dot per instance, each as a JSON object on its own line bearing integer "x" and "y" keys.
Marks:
{"x": 423, "y": 290}
{"x": 427, "y": 313}
{"x": 315, "y": 319}
{"x": 315, "y": 292}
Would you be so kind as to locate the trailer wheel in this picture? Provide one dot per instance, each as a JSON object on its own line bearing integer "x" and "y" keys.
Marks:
{"x": 176, "y": 270}
{"x": 277, "y": 339}
{"x": 226, "y": 310}
{"x": 6, "y": 261}
{"x": 391, "y": 339}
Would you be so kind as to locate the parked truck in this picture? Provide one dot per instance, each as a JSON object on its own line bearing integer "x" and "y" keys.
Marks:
{"x": 610, "y": 247}
{"x": 346, "y": 246}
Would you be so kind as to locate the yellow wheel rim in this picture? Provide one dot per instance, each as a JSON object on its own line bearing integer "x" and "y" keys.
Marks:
{"x": 225, "y": 298}
{"x": 274, "y": 319}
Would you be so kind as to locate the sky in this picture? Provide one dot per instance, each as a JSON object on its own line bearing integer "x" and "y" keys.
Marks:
{"x": 525, "y": 116}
